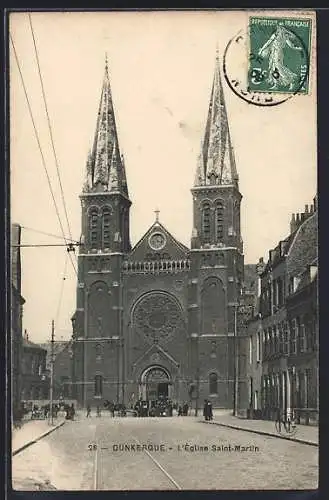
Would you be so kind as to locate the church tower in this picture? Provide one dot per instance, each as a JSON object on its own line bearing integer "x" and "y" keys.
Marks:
{"x": 104, "y": 243}
{"x": 216, "y": 257}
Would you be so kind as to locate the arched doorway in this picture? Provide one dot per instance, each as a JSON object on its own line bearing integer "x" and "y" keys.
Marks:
{"x": 155, "y": 384}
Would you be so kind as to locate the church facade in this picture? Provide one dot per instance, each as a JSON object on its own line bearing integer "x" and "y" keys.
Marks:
{"x": 158, "y": 319}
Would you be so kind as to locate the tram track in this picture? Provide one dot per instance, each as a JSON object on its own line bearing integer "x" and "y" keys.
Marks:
{"x": 97, "y": 481}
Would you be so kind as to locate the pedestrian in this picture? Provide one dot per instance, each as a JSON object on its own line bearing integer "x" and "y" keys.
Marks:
{"x": 180, "y": 411}
{"x": 210, "y": 414}
{"x": 205, "y": 410}
{"x": 98, "y": 411}
{"x": 185, "y": 409}
{"x": 88, "y": 411}
{"x": 72, "y": 411}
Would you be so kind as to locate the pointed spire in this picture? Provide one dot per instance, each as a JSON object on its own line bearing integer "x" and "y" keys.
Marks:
{"x": 114, "y": 175}
{"x": 105, "y": 154}
{"x": 216, "y": 163}
{"x": 124, "y": 184}
{"x": 88, "y": 180}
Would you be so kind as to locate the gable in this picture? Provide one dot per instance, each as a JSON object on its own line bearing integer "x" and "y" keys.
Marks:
{"x": 158, "y": 244}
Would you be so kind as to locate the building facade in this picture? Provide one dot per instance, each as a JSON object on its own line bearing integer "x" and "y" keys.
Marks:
{"x": 17, "y": 302}
{"x": 283, "y": 336}
{"x": 35, "y": 379}
{"x": 158, "y": 319}
{"x": 62, "y": 368}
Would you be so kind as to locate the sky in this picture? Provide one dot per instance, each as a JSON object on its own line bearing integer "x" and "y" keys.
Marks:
{"x": 161, "y": 68}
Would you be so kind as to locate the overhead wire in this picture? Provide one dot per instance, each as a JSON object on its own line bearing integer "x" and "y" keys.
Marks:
{"x": 40, "y": 148}
{"x": 49, "y": 125}
{"x": 47, "y": 234}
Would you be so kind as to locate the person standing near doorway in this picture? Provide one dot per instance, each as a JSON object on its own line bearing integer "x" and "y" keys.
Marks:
{"x": 88, "y": 411}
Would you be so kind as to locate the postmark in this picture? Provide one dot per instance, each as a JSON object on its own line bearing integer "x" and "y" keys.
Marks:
{"x": 235, "y": 70}
{"x": 279, "y": 53}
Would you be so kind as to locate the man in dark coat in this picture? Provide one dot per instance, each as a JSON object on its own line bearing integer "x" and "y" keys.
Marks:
{"x": 209, "y": 411}
{"x": 206, "y": 410}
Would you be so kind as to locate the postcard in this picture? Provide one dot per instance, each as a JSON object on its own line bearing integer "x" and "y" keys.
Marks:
{"x": 164, "y": 264}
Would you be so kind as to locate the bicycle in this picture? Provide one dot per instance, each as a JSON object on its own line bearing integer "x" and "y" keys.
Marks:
{"x": 286, "y": 425}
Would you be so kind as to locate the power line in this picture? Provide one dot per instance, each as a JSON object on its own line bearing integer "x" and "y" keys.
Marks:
{"x": 49, "y": 125}
{"x": 39, "y": 145}
{"x": 46, "y": 234}
{"x": 69, "y": 246}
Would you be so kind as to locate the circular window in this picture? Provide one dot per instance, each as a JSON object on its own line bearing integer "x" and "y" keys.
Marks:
{"x": 157, "y": 241}
{"x": 157, "y": 317}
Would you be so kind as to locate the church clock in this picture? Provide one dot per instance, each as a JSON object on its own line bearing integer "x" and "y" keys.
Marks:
{"x": 157, "y": 241}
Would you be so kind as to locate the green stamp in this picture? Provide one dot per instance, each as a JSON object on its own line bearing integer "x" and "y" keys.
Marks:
{"x": 279, "y": 54}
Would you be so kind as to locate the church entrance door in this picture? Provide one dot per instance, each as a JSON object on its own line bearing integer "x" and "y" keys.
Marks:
{"x": 155, "y": 383}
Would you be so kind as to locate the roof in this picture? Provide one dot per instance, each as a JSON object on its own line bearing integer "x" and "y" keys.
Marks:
{"x": 298, "y": 249}
{"x": 171, "y": 241}
{"x": 303, "y": 250}
{"x": 32, "y": 345}
{"x": 250, "y": 278}
{"x": 58, "y": 348}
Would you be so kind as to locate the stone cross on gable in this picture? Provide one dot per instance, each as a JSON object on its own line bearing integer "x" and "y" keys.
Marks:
{"x": 157, "y": 212}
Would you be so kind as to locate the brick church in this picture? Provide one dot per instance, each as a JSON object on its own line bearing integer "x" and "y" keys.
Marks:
{"x": 158, "y": 319}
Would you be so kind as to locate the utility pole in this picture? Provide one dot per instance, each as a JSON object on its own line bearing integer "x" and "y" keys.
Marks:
{"x": 197, "y": 390}
{"x": 197, "y": 377}
{"x": 52, "y": 371}
{"x": 118, "y": 370}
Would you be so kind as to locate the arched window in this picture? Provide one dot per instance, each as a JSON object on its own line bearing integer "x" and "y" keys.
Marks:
{"x": 93, "y": 226}
{"x": 106, "y": 226}
{"x": 293, "y": 336}
{"x": 98, "y": 350}
{"x": 219, "y": 217}
{"x": 213, "y": 306}
{"x": 98, "y": 385}
{"x": 258, "y": 347}
{"x": 100, "y": 324}
{"x": 213, "y": 383}
{"x": 206, "y": 222}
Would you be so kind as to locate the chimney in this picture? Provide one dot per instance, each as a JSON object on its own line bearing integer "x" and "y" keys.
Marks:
{"x": 292, "y": 223}
{"x": 315, "y": 203}
{"x": 311, "y": 209}
{"x": 260, "y": 266}
{"x": 306, "y": 209}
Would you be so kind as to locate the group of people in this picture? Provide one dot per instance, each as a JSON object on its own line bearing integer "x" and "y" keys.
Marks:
{"x": 43, "y": 411}
{"x": 182, "y": 410}
{"x": 155, "y": 408}
{"x": 109, "y": 406}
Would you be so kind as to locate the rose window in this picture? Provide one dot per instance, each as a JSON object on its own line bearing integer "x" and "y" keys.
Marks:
{"x": 157, "y": 317}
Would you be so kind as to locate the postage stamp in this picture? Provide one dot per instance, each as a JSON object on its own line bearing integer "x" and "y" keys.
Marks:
{"x": 279, "y": 54}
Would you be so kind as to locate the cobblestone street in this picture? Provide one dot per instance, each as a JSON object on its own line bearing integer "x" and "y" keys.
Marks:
{"x": 161, "y": 453}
